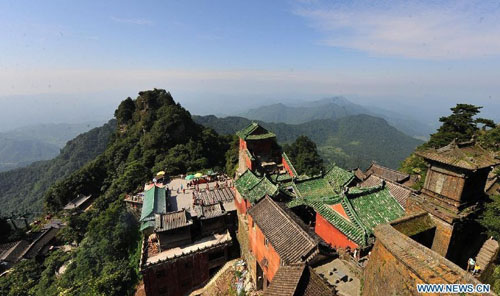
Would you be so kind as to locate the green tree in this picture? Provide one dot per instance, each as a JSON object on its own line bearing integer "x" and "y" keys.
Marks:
{"x": 415, "y": 165}
{"x": 125, "y": 111}
{"x": 22, "y": 279}
{"x": 232, "y": 156}
{"x": 5, "y": 230}
{"x": 490, "y": 139}
{"x": 490, "y": 216}
{"x": 304, "y": 156}
{"x": 460, "y": 125}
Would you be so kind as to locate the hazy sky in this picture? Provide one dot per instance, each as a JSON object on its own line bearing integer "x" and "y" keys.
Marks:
{"x": 209, "y": 54}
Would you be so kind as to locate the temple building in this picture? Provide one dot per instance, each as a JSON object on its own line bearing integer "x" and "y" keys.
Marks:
{"x": 281, "y": 212}
{"x": 184, "y": 247}
{"x": 439, "y": 233}
{"x": 258, "y": 149}
{"x": 452, "y": 192}
{"x": 278, "y": 238}
{"x": 347, "y": 220}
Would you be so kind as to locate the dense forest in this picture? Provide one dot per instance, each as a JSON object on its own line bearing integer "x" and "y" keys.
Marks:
{"x": 22, "y": 190}
{"x": 350, "y": 142}
{"x": 304, "y": 155}
{"x": 153, "y": 133}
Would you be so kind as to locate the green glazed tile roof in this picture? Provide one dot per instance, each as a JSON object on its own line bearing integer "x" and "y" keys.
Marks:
{"x": 253, "y": 188}
{"x": 155, "y": 201}
{"x": 338, "y": 178}
{"x": 255, "y": 132}
{"x": 352, "y": 229}
{"x": 330, "y": 184}
{"x": 280, "y": 178}
{"x": 365, "y": 207}
{"x": 313, "y": 188}
{"x": 376, "y": 208}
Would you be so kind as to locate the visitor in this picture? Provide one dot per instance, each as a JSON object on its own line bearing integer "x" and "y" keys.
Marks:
{"x": 477, "y": 269}
{"x": 470, "y": 264}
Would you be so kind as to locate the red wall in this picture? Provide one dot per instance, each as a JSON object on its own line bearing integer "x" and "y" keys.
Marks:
{"x": 248, "y": 162}
{"x": 243, "y": 144}
{"x": 287, "y": 166}
{"x": 177, "y": 277}
{"x": 260, "y": 251}
{"x": 242, "y": 205}
{"x": 332, "y": 235}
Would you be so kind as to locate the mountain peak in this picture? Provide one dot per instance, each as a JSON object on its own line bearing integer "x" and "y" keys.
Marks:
{"x": 338, "y": 100}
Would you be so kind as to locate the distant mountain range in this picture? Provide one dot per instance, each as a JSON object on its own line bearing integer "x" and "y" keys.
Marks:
{"x": 22, "y": 146}
{"x": 335, "y": 108}
{"x": 350, "y": 141}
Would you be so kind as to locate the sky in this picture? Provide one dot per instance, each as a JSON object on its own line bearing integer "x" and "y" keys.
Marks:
{"x": 76, "y": 60}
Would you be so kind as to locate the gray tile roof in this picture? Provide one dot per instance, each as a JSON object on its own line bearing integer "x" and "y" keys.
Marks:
{"x": 386, "y": 173}
{"x": 172, "y": 220}
{"x": 213, "y": 196}
{"x": 298, "y": 280}
{"x": 288, "y": 238}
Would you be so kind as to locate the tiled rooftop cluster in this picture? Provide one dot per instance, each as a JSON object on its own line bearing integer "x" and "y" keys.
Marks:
{"x": 365, "y": 207}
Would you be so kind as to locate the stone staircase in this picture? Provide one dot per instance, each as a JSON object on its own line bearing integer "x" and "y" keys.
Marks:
{"x": 487, "y": 253}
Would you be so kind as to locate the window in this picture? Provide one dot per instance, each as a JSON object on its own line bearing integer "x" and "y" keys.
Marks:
{"x": 266, "y": 242}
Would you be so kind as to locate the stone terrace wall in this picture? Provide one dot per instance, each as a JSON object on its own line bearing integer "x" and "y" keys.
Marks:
{"x": 398, "y": 263}
{"x": 242, "y": 237}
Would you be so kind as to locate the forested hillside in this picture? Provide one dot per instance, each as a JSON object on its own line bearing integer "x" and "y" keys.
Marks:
{"x": 350, "y": 141}
{"x": 334, "y": 108}
{"x": 25, "y": 145}
{"x": 21, "y": 190}
{"x": 16, "y": 153}
{"x": 153, "y": 133}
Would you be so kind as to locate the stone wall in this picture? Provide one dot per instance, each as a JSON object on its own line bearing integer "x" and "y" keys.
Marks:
{"x": 242, "y": 237}
{"x": 398, "y": 263}
{"x": 442, "y": 237}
